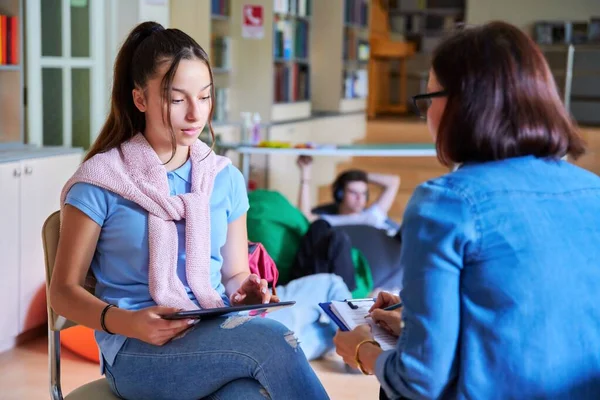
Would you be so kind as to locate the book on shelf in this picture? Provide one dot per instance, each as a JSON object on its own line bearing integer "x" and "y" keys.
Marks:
{"x": 9, "y": 40}
{"x": 220, "y": 50}
{"x": 290, "y": 39}
{"x": 301, "y": 83}
{"x": 282, "y": 6}
{"x": 301, "y": 40}
{"x": 220, "y": 7}
{"x": 283, "y": 38}
{"x": 281, "y": 84}
{"x": 363, "y": 51}
{"x": 300, "y": 8}
{"x": 355, "y": 48}
{"x": 356, "y": 12}
{"x": 355, "y": 84}
{"x": 292, "y": 83}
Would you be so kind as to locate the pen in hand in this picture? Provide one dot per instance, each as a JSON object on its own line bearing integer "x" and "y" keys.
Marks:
{"x": 388, "y": 308}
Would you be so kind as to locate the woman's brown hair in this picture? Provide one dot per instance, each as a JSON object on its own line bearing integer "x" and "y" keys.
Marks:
{"x": 502, "y": 100}
{"x": 148, "y": 46}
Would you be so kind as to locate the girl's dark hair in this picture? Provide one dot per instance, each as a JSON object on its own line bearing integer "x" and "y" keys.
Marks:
{"x": 502, "y": 100}
{"x": 148, "y": 46}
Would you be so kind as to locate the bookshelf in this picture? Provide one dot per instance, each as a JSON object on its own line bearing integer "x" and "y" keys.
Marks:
{"x": 355, "y": 54}
{"x": 12, "y": 116}
{"x": 340, "y": 53}
{"x": 208, "y": 23}
{"x": 291, "y": 58}
{"x": 270, "y": 75}
{"x": 220, "y": 56}
{"x": 425, "y": 22}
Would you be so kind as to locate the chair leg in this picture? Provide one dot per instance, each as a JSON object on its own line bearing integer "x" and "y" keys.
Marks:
{"x": 54, "y": 364}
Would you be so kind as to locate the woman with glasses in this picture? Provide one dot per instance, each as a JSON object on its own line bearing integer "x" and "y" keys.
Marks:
{"x": 502, "y": 256}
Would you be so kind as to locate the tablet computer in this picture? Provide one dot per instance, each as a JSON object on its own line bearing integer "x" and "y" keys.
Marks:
{"x": 252, "y": 310}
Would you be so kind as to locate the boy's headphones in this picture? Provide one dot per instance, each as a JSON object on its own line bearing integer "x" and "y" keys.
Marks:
{"x": 340, "y": 183}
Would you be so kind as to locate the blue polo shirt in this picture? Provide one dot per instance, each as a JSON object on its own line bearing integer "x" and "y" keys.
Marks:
{"x": 120, "y": 262}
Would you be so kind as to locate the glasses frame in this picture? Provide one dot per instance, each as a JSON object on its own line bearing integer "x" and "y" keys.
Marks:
{"x": 425, "y": 96}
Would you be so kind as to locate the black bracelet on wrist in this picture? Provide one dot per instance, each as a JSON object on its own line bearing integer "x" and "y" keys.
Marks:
{"x": 102, "y": 316}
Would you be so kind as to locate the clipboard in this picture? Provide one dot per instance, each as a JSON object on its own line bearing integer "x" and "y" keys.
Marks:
{"x": 252, "y": 310}
{"x": 354, "y": 315}
{"x": 327, "y": 308}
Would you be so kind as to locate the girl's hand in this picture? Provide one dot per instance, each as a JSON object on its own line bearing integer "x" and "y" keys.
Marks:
{"x": 148, "y": 325}
{"x": 253, "y": 290}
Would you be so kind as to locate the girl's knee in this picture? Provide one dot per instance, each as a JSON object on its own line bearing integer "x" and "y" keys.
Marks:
{"x": 271, "y": 331}
{"x": 268, "y": 326}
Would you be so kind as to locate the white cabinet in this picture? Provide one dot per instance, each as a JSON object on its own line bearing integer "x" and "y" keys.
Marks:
{"x": 9, "y": 252}
{"x": 29, "y": 193}
{"x": 42, "y": 180}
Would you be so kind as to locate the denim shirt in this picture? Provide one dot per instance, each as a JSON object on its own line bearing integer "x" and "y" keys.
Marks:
{"x": 501, "y": 285}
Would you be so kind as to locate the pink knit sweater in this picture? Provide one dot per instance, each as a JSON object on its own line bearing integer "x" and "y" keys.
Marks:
{"x": 135, "y": 172}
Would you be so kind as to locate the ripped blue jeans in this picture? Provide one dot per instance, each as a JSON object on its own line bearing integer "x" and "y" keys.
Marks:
{"x": 260, "y": 358}
{"x": 222, "y": 359}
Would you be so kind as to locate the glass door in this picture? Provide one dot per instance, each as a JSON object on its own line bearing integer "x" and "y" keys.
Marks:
{"x": 65, "y": 71}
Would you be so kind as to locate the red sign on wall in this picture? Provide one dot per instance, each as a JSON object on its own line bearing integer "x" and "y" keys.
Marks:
{"x": 253, "y": 26}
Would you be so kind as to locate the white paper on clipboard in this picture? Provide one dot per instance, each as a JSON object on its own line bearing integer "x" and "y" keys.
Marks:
{"x": 353, "y": 317}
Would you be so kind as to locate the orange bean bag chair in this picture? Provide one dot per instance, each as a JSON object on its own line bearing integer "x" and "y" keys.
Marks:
{"x": 80, "y": 340}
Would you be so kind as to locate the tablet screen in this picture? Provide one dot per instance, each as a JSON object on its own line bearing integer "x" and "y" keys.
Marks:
{"x": 252, "y": 310}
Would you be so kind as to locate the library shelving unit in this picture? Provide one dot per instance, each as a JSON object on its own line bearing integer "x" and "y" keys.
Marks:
{"x": 12, "y": 116}
{"x": 220, "y": 56}
{"x": 425, "y": 22}
{"x": 208, "y": 23}
{"x": 291, "y": 21}
{"x": 340, "y": 25}
{"x": 270, "y": 75}
{"x": 356, "y": 54}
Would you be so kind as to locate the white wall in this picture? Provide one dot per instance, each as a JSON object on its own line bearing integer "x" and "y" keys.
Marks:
{"x": 121, "y": 16}
{"x": 154, "y": 10}
{"x": 524, "y": 13}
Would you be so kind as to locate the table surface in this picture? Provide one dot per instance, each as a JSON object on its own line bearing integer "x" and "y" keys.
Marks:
{"x": 380, "y": 149}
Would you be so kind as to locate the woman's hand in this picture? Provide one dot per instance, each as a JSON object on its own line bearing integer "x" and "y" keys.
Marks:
{"x": 346, "y": 342}
{"x": 384, "y": 300}
{"x": 388, "y": 320}
{"x": 253, "y": 290}
{"x": 148, "y": 325}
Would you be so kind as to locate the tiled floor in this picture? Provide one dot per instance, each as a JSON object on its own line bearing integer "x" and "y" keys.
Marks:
{"x": 24, "y": 375}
